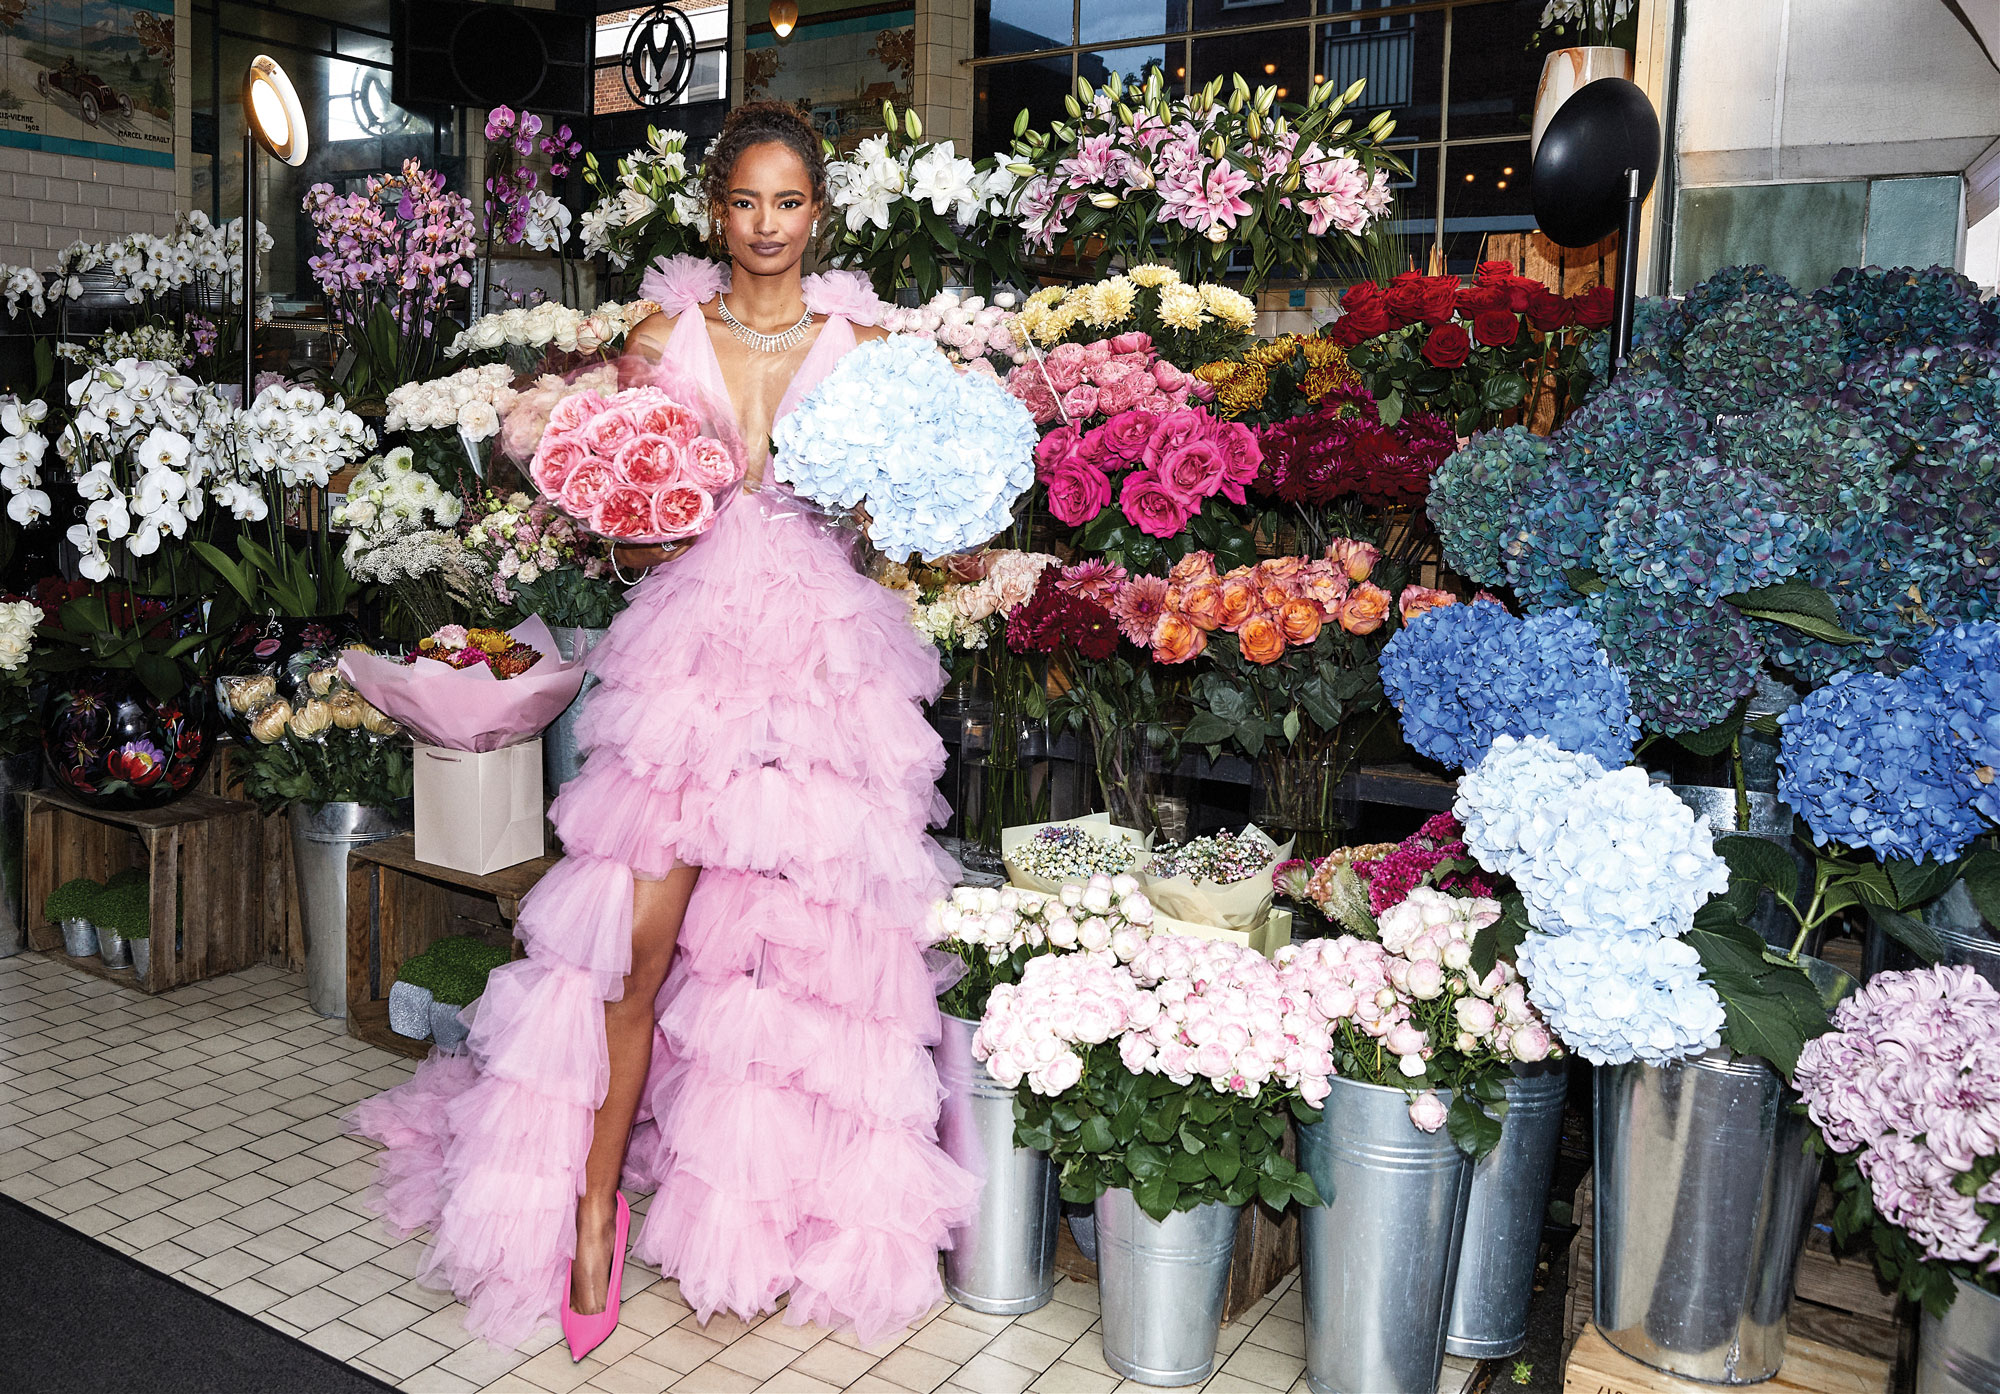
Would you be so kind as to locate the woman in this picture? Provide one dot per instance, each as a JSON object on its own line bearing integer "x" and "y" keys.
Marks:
{"x": 760, "y": 778}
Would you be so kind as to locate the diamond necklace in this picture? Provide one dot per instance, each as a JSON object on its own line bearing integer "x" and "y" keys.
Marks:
{"x": 766, "y": 343}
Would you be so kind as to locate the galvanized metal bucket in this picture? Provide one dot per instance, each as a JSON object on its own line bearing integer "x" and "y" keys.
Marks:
{"x": 1380, "y": 1259}
{"x": 1704, "y": 1191}
{"x": 322, "y": 836}
{"x": 111, "y": 948}
{"x": 142, "y": 958}
{"x": 562, "y": 758}
{"x": 410, "y": 1010}
{"x": 79, "y": 938}
{"x": 1503, "y": 1225}
{"x": 1958, "y": 925}
{"x": 1004, "y": 1261}
{"x": 1160, "y": 1287}
{"x": 446, "y": 1028}
{"x": 1959, "y": 1352}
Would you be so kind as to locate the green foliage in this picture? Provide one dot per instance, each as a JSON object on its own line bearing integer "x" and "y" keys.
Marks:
{"x": 966, "y": 998}
{"x": 423, "y": 971}
{"x": 126, "y": 908}
{"x": 341, "y": 767}
{"x": 74, "y": 900}
{"x": 1502, "y": 938}
{"x": 454, "y": 970}
{"x": 1770, "y": 1007}
{"x": 299, "y": 581}
{"x": 1173, "y": 1146}
{"x": 157, "y": 650}
{"x": 1797, "y": 605}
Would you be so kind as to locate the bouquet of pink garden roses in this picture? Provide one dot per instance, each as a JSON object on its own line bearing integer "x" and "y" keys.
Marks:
{"x": 634, "y": 466}
{"x": 1072, "y": 383}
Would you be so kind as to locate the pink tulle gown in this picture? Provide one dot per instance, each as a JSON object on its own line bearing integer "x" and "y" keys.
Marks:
{"x": 759, "y": 716}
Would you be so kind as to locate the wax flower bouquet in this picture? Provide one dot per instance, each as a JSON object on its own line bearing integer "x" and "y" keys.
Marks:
{"x": 1170, "y": 1076}
{"x": 1906, "y": 1094}
{"x": 906, "y": 211}
{"x": 391, "y": 256}
{"x": 325, "y": 744}
{"x": 634, "y": 466}
{"x": 1187, "y": 323}
{"x": 1409, "y": 1011}
{"x": 1138, "y": 172}
{"x": 650, "y": 207}
{"x": 996, "y": 930}
{"x": 402, "y": 533}
{"x": 938, "y": 456}
{"x": 539, "y": 562}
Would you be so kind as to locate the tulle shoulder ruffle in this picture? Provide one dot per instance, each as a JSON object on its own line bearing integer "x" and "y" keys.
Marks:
{"x": 845, "y": 294}
{"x": 681, "y": 282}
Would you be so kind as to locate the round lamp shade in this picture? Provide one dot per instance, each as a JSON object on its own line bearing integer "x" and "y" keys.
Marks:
{"x": 784, "y": 16}
{"x": 271, "y": 108}
{"x": 1580, "y": 168}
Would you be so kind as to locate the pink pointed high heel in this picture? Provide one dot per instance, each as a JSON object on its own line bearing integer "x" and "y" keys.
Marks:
{"x": 586, "y": 1334}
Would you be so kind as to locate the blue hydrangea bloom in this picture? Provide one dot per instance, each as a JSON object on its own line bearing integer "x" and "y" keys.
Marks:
{"x": 1902, "y": 305}
{"x": 1472, "y": 496}
{"x": 1759, "y": 348}
{"x": 1871, "y": 761}
{"x": 1463, "y": 675}
{"x": 1614, "y": 997}
{"x": 1702, "y": 529}
{"x": 1511, "y": 803}
{"x": 1688, "y": 664}
{"x": 940, "y": 456}
{"x": 1965, "y": 662}
{"x": 1922, "y": 397}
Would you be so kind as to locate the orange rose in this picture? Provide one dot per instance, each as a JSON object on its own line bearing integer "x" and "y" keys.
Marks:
{"x": 1193, "y": 569}
{"x": 1367, "y": 606}
{"x": 1239, "y": 601}
{"x": 1202, "y": 606}
{"x": 1284, "y": 571}
{"x": 1326, "y": 585}
{"x": 1300, "y": 620}
{"x": 1262, "y": 640}
{"x": 1176, "y": 641}
{"x": 1357, "y": 559}
{"x": 1417, "y": 600}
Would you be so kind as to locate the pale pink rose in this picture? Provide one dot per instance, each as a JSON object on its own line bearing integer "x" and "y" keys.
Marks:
{"x": 1427, "y": 1111}
{"x": 1406, "y": 1040}
{"x": 1530, "y": 1043}
{"x": 572, "y": 413}
{"x": 1062, "y": 1072}
{"x": 1476, "y": 1016}
{"x": 1426, "y": 981}
{"x": 1213, "y": 1060}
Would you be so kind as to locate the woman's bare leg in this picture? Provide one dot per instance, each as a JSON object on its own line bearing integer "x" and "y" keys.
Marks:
{"x": 657, "y": 908}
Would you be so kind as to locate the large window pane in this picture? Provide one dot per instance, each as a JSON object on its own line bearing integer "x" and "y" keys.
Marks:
{"x": 1002, "y": 91}
{"x": 1229, "y": 14}
{"x": 1134, "y": 63}
{"x": 1494, "y": 72}
{"x": 1278, "y": 58}
{"x": 1021, "y": 26}
{"x": 1485, "y": 192}
{"x": 1400, "y": 56}
{"x": 1103, "y": 21}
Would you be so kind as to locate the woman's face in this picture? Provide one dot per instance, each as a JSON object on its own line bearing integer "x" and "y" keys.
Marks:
{"x": 768, "y": 209}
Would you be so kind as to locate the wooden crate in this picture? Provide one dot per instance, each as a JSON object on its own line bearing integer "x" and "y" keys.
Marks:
{"x": 200, "y": 853}
{"x": 1594, "y": 1367}
{"x": 281, "y": 925}
{"x": 1267, "y": 1248}
{"x": 1838, "y": 1300}
{"x": 397, "y": 907}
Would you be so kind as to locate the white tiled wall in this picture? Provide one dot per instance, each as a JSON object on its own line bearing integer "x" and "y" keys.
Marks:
{"x": 53, "y": 200}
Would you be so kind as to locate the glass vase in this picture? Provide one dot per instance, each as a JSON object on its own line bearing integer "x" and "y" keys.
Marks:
{"x": 1299, "y": 796}
{"x": 1127, "y": 780}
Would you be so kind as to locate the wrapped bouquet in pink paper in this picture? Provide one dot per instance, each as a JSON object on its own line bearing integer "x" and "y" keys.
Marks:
{"x": 635, "y": 466}
{"x": 471, "y": 705}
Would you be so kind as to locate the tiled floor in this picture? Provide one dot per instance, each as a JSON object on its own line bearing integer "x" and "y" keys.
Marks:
{"x": 199, "y": 1131}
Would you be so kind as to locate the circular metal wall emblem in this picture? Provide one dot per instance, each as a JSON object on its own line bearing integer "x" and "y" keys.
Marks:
{"x": 659, "y": 56}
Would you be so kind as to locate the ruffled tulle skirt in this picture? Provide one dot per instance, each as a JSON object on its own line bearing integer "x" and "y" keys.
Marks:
{"x": 759, "y": 716}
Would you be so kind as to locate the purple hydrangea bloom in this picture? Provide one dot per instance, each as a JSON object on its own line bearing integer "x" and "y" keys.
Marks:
{"x": 1472, "y": 498}
{"x": 1688, "y": 664}
{"x": 1702, "y": 530}
{"x": 1879, "y": 308}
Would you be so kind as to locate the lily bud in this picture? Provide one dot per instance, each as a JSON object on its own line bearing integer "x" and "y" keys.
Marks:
{"x": 1354, "y": 90}
{"x": 889, "y": 115}
{"x": 913, "y": 125}
{"x": 1256, "y": 125}
{"x": 1071, "y": 106}
{"x": 1021, "y": 171}
{"x": 1105, "y": 200}
{"x": 1236, "y": 102}
{"x": 1217, "y": 148}
{"x": 1021, "y": 123}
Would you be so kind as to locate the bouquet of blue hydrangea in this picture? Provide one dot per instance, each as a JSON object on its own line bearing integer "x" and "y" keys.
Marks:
{"x": 1462, "y": 675}
{"x": 938, "y": 456}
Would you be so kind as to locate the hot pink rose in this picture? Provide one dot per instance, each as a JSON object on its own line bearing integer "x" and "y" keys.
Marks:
{"x": 1193, "y": 472}
{"x": 709, "y": 465}
{"x": 668, "y": 418}
{"x": 682, "y": 512}
{"x": 651, "y": 461}
{"x": 553, "y": 462}
{"x": 1242, "y": 458}
{"x": 609, "y": 430}
{"x": 1126, "y": 433}
{"x": 1055, "y": 447}
{"x": 1078, "y": 491}
{"x": 1080, "y": 402}
{"x": 624, "y": 511}
{"x": 1148, "y": 505}
{"x": 587, "y": 483}
{"x": 574, "y": 412}
{"x": 1124, "y": 394}
{"x": 1134, "y": 342}
{"x": 1176, "y": 429}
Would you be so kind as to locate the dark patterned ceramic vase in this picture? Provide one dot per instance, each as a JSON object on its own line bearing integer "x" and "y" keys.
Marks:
{"x": 110, "y": 742}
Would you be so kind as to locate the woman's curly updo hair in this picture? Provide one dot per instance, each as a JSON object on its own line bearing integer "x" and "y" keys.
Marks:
{"x": 759, "y": 123}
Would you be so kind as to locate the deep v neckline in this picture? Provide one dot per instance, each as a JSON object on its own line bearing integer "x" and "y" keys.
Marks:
{"x": 806, "y": 373}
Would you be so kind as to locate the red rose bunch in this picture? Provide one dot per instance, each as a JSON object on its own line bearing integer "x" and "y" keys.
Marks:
{"x": 1493, "y": 307}
{"x": 1161, "y": 466}
{"x": 1343, "y": 448}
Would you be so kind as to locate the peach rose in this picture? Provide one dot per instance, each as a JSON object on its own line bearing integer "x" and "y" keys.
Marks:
{"x": 1300, "y": 620}
{"x": 1417, "y": 600}
{"x": 1193, "y": 569}
{"x": 1261, "y": 639}
{"x": 1326, "y": 586}
{"x": 1175, "y": 640}
{"x": 1284, "y": 571}
{"x": 1357, "y": 559}
{"x": 1202, "y": 605}
{"x": 1367, "y": 606}
{"x": 1239, "y": 601}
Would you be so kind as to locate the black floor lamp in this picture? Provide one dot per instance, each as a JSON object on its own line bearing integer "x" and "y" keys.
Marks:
{"x": 272, "y": 118}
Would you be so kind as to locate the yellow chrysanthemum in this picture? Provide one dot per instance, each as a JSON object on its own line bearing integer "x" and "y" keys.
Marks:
{"x": 1057, "y": 324}
{"x": 1228, "y": 306}
{"x": 1324, "y": 353}
{"x": 1181, "y": 307}
{"x": 1044, "y": 298}
{"x": 1115, "y": 298}
{"x": 1243, "y": 392}
{"x": 1149, "y": 276}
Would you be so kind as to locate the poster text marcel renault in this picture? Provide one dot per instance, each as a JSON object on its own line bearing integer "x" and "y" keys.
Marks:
{"x": 89, "y": 77}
